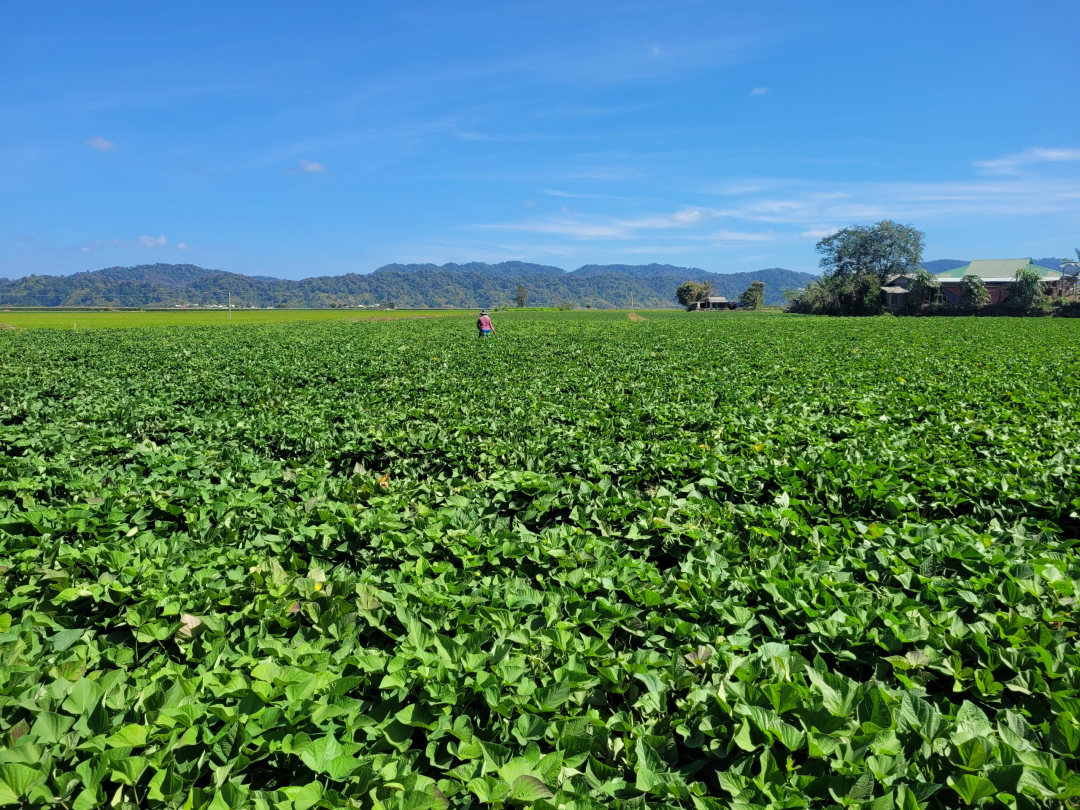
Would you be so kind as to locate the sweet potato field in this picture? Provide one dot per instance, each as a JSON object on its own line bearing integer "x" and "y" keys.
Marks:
{"x": 700, "y": 562}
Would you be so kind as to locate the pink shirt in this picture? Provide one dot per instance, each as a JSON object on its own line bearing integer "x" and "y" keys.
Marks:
{"x": 484, "y": 323}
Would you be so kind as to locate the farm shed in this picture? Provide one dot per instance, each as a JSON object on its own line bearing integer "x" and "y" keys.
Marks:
{"x": 712, "y": 302}
{"x": 997, "y": 275}
{"x": 895, "y": 291}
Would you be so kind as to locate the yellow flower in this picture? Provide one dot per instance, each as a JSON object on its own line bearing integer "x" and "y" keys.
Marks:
{"x": 901, "y": 379}
{"x": 318, "y": 586}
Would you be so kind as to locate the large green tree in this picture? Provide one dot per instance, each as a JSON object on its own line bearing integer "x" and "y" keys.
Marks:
{"x": 693, "y": 291}
{"x": 858, "y": 260}
{"x": 754, "y": 296}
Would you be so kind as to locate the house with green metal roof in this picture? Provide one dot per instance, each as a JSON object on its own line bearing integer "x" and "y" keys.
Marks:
{"x": 998, "y": 276}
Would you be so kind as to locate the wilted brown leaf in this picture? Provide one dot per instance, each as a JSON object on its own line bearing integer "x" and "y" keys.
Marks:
{"x": 190, "y": 626}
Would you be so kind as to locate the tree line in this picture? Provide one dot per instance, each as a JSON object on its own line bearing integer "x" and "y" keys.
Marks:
{"x": 858, "y": 261}
{"x": 692, "y": 292}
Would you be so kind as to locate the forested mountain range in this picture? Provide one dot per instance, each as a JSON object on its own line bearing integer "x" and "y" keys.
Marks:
{"x": 471, "y": 285}
{"x": 941, "y": 265}
{"x": 412, "y": 286}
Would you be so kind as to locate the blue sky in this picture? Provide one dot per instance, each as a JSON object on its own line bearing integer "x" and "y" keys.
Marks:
{"x": 293, "y": 139}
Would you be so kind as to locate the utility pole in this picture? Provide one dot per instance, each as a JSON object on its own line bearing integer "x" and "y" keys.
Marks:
{"x": 631, "y": 303}
{"x": 230, "y": 305}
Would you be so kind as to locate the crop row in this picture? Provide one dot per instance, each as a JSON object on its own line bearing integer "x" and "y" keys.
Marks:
{"x": 755, "y": 561}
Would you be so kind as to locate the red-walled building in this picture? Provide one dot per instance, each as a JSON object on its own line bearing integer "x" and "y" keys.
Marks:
{"x": 997, "y": 275}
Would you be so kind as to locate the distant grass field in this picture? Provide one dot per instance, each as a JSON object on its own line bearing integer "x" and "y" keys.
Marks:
{"x": 89, "y": 319}
{"x": 127, "y": 319}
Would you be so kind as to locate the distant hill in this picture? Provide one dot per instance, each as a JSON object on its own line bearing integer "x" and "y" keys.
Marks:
{"x": 420, "y": 286}
{"x": 636, "y": 270}
{"x": 501, "y": 270}
{"x": 941, "y": 265}
{"x": 1054, "y": 264}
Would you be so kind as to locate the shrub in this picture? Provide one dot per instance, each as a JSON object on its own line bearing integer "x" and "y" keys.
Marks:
{"x": 817, "y": 297}
{"x": 925, "y": 289}
{"x": 973, "y": 292}
{"x": 754, "y": 296}
{"x": 1027, "y": 288}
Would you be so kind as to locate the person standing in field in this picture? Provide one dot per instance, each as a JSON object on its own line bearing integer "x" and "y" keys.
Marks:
{"x": 483, "y": 324}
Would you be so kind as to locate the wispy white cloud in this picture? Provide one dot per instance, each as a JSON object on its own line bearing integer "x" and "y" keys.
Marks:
{"x": 658, "y": 250}
{"x": 1011, "y": 164}
{"x": 562, "y": 111}
{"x": 819, "y": 233}
{"x": 811, "y": 204}
{"x": 507, "y": 137}
{"x": 185, "y": 247}
{"x": 602, "y": 173}
{"x": 759, "y": 91}
{"x": 581, "y": 229}
{"x": 100, "y": 144}
{"x": 593, "y": 227}
{"x": 154, "y": 242}
{"x": 743, "y": 187}
{"x": 556, "y": 193}
{"x": 687, "y": 216}
{"x": 793, "y": 211}
{"x": 302, "y": 166}
{"x": 724, "y": 235}
{"x": 604, "y": 61}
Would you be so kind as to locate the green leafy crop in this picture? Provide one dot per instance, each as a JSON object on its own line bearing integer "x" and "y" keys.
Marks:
{"x": 746, "y": 562}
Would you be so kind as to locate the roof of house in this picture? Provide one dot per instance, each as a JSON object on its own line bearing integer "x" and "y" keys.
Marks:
{"x": 897, "y": 290}
{"x": 996, "y": 270}
{"x": 893, "y": 279}
{"x": 716, "y": 299}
